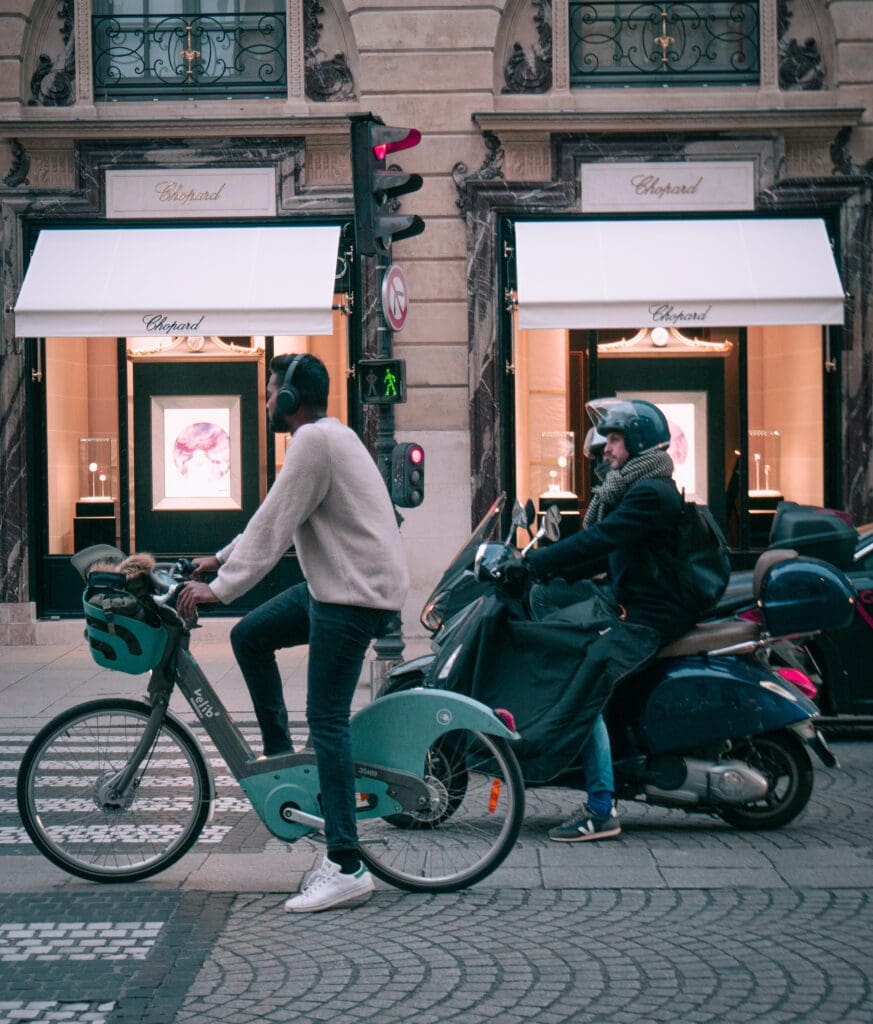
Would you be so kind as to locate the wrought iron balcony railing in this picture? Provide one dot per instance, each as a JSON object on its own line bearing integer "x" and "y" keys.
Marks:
{"x": 189, "y": 55}
{"x": 630, "y": 43}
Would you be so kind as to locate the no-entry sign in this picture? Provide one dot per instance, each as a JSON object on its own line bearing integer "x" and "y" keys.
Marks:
{"x": 395, "y": 297}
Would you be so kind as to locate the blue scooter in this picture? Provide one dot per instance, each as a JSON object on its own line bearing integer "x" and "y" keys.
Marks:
{"x": 708, "y": 725}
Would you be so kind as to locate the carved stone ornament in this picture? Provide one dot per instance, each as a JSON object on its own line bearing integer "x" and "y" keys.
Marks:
{"x": 17, "y": 174}
{"x": 52, "y": 84}
{"x": 326, "y": 78}
{"x": 801, "y": 67}
{"x": 842, "y": 158}
{"x": 491, "y": 167}
{"x": 532, "y": 74}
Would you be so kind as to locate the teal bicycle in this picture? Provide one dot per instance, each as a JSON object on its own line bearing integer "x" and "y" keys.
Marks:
{"x": 116, "y": 790}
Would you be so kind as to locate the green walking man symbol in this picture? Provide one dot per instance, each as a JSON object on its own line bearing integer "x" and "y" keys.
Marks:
{"x": 390, "y": 382}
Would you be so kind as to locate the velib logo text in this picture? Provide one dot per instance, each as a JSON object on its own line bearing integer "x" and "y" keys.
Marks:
{"x": 202, "y": 706}
{"x": 160, "y": 323}
{"x": 665, "y": 313}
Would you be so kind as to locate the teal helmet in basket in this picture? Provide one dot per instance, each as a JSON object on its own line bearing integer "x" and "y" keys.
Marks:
{"x": 122, "y": 632}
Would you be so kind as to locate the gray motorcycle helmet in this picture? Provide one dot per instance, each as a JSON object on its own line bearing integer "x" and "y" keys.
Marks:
{"x": 641, "y": 423}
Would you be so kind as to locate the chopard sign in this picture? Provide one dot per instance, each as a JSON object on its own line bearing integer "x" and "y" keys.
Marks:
{"x": 159, "y": 323}
{"x": 651, "y": 185}
{"x": 178, "y": 192}
{"x": 666, "y": 186}
{"x": 175, "y": 192}
{"x": 665, "y": 313}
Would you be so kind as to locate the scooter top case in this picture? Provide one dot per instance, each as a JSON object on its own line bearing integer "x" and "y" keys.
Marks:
{"x": 806, "y": 595}
{"x": 685, "y": 703}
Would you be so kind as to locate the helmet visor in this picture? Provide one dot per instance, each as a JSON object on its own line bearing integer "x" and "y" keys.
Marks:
{"x": 594, "y": 443}
{"x": 605, "y": 410}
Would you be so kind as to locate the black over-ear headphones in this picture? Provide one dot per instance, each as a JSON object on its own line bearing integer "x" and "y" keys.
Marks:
{"x": 288, "y": 399}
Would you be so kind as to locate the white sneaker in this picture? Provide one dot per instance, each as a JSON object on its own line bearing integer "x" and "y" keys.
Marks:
{"x": 328, "y": 887}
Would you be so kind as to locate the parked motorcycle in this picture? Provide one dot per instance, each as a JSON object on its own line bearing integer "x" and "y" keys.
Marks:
{"x": 837, "y": 662}
{"x": 706, "y": 726}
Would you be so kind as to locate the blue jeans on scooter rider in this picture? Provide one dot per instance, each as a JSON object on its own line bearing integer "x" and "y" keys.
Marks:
{"x": 633, "y": 516}
{"x": 330, "y": 501}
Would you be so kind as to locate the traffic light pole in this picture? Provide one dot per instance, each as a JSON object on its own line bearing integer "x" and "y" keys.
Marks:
{"x": 375, "y": 186}
{"x": 385, "y": 349}
{"x": 388, "y": 648}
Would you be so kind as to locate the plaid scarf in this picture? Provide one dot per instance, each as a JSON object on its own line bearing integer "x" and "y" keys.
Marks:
{"x": 646, "y": 466}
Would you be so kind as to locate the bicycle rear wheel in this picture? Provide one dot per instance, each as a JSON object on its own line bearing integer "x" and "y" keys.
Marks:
{"x": 469, "y": 828}
{"x": 65, "y": 806}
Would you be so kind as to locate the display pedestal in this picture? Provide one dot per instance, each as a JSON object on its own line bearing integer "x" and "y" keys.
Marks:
{"x": 762, "y": 509}
{"x": 94, "y": 523}
{"x": 568, "y": 505}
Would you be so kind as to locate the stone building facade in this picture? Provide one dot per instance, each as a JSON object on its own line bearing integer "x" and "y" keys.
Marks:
{"x": 509, "y": 123}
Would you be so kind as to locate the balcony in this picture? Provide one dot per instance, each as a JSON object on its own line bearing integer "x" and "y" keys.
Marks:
{"x": 698, "y": 43}
{"x": 189, "y": 56}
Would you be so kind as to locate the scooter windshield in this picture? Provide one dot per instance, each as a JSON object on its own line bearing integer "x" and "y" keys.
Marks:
{"x": 462, "y": 563}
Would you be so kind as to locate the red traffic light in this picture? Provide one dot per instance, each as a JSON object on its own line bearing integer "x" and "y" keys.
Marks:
{"x": 407, "y": 141}
{"x": 407, "y": 474}
{"x": 377, "y": 225}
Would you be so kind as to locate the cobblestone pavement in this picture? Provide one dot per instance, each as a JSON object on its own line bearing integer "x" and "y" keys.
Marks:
{"x": 681, "y": 919}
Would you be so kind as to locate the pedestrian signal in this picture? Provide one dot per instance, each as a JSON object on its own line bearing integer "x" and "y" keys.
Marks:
{"x": 381, "y": 381}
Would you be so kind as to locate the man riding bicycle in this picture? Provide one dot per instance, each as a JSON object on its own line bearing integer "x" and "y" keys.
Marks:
{"x": 330, "y": 500}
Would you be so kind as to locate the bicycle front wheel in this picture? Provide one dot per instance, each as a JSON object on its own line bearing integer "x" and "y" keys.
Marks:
{"x": 469, "y": 827}
{"x": 69, "y": 813}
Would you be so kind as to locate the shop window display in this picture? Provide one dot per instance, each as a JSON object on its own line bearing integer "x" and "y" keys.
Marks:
{"x": 81, "y": 395}
{"x": 95, "y": 519}
{"x": 193, "y": 468}
{"x": 764, "y": 474}
{"x": 697, "y": 381}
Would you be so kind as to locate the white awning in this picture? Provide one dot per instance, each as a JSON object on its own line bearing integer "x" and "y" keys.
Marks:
{"x": 136, "y": 282}
{"x": 676, "y": 273}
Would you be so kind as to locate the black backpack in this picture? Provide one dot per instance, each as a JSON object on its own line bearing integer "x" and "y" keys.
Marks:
{"x": 700, "y": 566}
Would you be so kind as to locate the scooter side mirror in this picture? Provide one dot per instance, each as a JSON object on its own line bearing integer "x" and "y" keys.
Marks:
{"x": 519, "y": 520}
{"x": 552, "y": 523}
{"x": 550, "y": 528}
{"x": 530, "y": 512}
{"x": 519, "y": 516}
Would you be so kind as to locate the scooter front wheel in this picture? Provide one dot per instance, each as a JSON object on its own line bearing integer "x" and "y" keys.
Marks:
{"x": 470, "y": 827}
{"x": 786, "y": 763}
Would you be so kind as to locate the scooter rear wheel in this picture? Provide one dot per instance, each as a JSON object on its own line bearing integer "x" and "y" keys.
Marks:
{"x": 786, "y": 763}
{"x": 470, "y": 828}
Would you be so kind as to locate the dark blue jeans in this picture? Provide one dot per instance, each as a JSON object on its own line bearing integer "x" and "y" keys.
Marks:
{"x": 338, "y": 637}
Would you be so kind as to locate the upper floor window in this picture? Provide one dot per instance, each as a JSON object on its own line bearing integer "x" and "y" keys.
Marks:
{"x": 633, "y": 43}
{"x": 188, "y": 48}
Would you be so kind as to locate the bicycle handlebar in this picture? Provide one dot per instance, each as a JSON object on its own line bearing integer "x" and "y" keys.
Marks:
{"x": 167, "y": 579}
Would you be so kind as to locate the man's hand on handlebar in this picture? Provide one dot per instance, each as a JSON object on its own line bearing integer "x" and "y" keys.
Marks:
{"x": 204, "y": 564}
{"x": 515, "y": 571}
{"x": 192, "y": 594}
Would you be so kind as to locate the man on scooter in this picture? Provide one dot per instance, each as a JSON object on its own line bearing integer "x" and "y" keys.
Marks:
{"x": 632, "y": 518}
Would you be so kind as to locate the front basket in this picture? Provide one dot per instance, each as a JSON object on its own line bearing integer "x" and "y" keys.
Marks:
{"x": 123, "y": 633}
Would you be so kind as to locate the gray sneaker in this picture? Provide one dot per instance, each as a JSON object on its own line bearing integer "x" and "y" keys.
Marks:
{"x": 328, "y": 887}
{"x": 585, "y": 826}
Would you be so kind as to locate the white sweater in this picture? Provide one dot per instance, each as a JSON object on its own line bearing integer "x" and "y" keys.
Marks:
{"x": 331, "y": 501}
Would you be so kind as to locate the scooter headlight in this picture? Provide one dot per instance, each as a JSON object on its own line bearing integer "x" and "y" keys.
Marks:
{"x": 432, "y": 615}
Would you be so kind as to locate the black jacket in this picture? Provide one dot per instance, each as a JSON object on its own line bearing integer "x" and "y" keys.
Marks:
{"x": 630, "y": 537}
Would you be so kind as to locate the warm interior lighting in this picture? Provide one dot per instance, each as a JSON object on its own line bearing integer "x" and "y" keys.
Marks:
{"x": 663, "y": 339}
